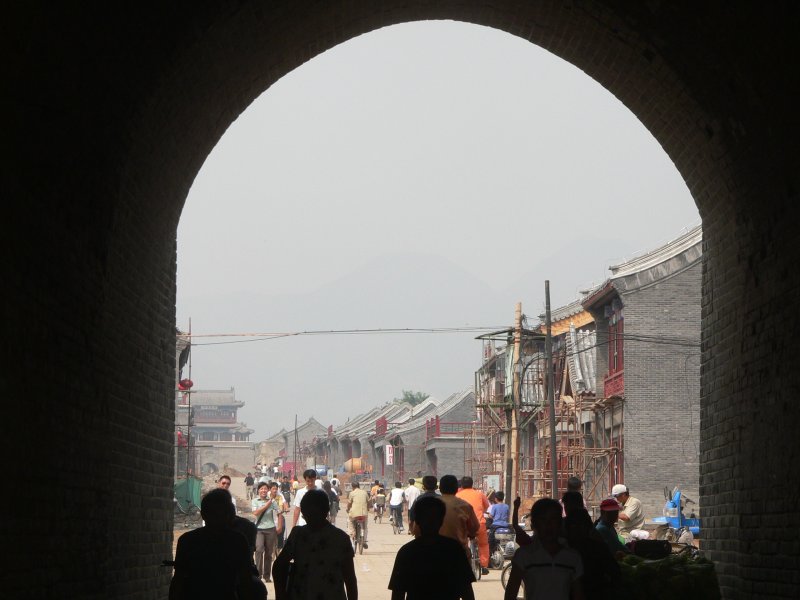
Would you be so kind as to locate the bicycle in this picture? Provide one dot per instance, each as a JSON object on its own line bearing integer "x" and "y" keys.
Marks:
{"x": 396, "y": 518}
{"x": 379, "y": 513}
{"x": 358, "y": 534}
{"x": 504, "y": 580}
{"x": 475, "y": 559}
{"x": 190, "y": 515}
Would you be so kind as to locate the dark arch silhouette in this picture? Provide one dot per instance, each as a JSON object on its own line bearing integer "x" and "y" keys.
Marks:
{"x": 208, "y": 468}
{"x": 109, "y": 117}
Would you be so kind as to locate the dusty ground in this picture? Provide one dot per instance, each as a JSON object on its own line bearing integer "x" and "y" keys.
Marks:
{"x": 374, "y": 567}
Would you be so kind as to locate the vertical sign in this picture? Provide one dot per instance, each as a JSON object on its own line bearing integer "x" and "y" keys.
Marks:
{"x": 389, "y": 454}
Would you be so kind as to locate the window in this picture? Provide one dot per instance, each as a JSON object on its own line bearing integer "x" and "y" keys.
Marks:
{"x": 616, "y": 338}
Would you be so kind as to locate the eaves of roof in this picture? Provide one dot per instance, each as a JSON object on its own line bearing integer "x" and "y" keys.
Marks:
{"x": 659, "y": 255}
{"x": 600, "y": 297}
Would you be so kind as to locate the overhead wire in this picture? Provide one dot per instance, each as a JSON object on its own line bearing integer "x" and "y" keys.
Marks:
{"x": 265, "y": 336}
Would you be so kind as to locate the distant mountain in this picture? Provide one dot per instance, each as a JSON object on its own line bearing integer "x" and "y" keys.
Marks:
{"x": 335, "y": 377}
{"x": 409, "y": 290}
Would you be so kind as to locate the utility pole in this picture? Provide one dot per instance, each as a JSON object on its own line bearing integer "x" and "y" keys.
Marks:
{"x": 512, "y": 438}
{"x": 517, "y": 396}
{"x": 550, "y": 385}
{"x": 295, "y": 446}
{"x": 189, "y": 444}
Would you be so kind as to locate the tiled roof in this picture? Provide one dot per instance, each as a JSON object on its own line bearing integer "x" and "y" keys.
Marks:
{"x": 568, "y": 310}
{"x": 667, "y": 260}
{"x": 215, "y": 398}
{"x": 660, "y": 255}
{"x": 441, "y": 410}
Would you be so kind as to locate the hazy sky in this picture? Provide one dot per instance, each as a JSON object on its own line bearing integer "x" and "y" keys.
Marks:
{"x": 428, "y": 174}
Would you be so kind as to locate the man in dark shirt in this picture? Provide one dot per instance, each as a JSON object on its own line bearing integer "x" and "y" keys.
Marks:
{"x": 213, "y": 562}
{"x": 431, "y": 566}
{"x": 609, "y": 514}
{"x": 286, "y": 489}
{"x": 248, "y": 484}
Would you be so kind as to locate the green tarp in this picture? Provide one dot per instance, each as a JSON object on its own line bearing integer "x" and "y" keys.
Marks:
{"x": 187, "y": 492}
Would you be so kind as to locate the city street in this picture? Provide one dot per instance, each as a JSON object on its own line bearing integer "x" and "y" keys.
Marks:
{"x": 374, "y": 567}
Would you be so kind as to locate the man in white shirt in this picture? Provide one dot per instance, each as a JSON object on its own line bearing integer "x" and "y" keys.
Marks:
{"x": 411, "y": 493}
{"x": 396, "y": 498}
{"x": 549, "y": 569}
{"x": 310, "y": 476}
{"x": 631, "y": 517}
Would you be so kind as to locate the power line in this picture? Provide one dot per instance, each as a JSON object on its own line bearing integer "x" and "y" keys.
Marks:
{"x": 265, "y": 336}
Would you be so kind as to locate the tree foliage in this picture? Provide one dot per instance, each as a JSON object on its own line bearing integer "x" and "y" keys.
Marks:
{"x": 413, "y": 398}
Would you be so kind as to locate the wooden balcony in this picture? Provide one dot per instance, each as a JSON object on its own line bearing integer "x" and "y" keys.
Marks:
{"x": 614, "y": 384}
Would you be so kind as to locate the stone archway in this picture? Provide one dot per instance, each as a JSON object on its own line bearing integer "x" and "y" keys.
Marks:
{"x": 209, "y": 468}
{"x": 110, "y": 116}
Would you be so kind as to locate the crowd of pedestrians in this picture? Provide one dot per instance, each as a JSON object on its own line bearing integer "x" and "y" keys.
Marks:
{"x": 568, "y": 556}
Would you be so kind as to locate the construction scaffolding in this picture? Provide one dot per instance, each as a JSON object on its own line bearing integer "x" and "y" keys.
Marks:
{"x": 589, "y": 434}
{"x": 589, "y": 430}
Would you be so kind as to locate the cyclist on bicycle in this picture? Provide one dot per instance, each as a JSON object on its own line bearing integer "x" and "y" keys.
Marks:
{"x": 358, "y": 507}
{"x": 380, "y": 503}
{"x": 396, "y": 499}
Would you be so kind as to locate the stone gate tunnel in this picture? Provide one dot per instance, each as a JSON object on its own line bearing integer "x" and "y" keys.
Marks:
{"x": 109, "y": 115}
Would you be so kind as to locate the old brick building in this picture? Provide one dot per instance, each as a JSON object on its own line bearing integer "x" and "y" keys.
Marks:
{"x": 648, "y": 335}
{"x": 429, "y": 437}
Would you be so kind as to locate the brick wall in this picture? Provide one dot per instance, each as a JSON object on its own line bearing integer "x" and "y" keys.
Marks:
{"x": 662, "y": 389}
{"x": 109, "y": 117}
{"x": 450, "y": 457}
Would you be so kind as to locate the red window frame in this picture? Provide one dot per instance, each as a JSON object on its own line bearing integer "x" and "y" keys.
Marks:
{"x": 616, "y": 339}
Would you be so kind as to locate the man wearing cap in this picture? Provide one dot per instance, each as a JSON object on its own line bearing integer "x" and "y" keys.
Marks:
{"x": 631, "y": 516}
{"x": 609, "y": 515}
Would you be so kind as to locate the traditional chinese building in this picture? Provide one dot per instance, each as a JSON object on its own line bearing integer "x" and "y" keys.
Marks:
{"x": 217, "y": 436}
{"x": 648, "y": 355}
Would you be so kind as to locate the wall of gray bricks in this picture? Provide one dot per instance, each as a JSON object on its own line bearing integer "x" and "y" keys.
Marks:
{"x": 109, "y": 116}
{"x": 450, "y": 458}
{"x": 662, "y": 389}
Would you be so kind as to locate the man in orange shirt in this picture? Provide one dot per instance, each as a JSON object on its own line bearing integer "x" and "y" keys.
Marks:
{"x": 480, "y": 504}
{"x": 459, "y": 518}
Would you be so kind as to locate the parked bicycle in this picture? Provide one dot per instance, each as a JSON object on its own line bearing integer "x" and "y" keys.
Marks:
{"x": 187, "y": 513}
